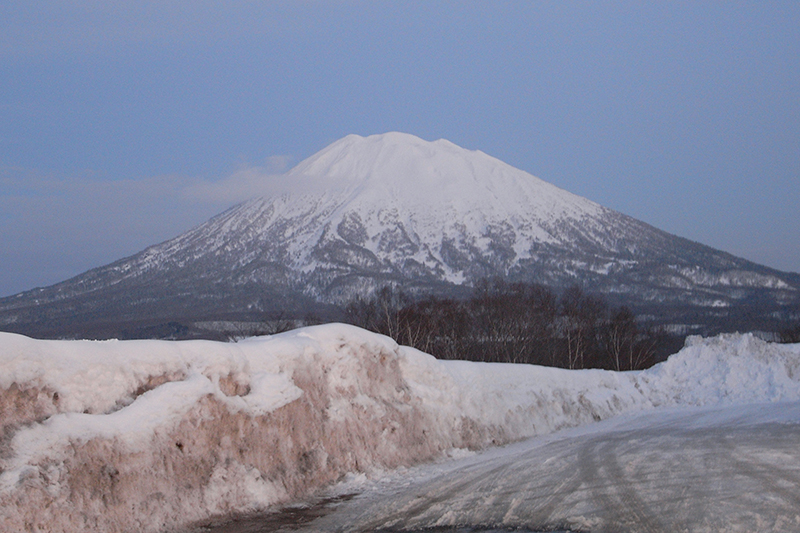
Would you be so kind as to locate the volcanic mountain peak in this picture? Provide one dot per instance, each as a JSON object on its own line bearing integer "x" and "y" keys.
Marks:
{"x": 399, "y": 198}
{"x": 395, "y": 209}
{"x": 398, "y": 206}
{"x": 390, "y": 156}
{"x": 421, "y": 176}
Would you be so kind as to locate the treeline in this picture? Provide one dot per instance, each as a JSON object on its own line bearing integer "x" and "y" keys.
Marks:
{"x": 513, "y": 323}
{"x": 790, "y": 335}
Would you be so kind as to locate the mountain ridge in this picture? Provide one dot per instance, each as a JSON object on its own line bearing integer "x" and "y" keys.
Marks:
{"x": 393, "y": 209}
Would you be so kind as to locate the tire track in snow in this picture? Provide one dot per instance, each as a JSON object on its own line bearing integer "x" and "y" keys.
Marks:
{"x": 768, "y": 474}
{"x": 416, "y": 513}
{"x": 611, "y": 489}
{"x": 558, "y": 487}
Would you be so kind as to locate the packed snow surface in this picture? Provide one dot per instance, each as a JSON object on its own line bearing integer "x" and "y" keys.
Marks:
{"x": 700, "y": 469}
{"x": 153, "y": 435}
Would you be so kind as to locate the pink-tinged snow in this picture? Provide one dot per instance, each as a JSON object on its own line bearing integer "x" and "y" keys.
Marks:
{"x": 152, "y": 435}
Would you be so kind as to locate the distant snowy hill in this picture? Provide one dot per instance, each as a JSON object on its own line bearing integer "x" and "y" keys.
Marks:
{"x": 395, "y": 209}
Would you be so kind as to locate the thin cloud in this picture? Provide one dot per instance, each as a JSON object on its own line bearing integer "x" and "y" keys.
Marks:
{"x": 245, "y": 183}
{"x": 55, "y": 227}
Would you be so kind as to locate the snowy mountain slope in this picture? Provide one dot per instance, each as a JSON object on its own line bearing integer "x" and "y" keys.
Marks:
{"x": 393, "y": 208}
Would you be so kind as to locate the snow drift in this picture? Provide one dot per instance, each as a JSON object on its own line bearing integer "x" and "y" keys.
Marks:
{"x": 153, "y": 435}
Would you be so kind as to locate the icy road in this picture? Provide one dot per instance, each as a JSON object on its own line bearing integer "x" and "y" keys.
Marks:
{"x": 722, "y": 469}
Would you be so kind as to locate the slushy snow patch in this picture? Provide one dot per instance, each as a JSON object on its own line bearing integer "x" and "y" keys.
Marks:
{"x": 155, "y": 435}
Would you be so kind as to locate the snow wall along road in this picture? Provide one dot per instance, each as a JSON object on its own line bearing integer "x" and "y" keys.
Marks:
{"x": 153, "y": 435}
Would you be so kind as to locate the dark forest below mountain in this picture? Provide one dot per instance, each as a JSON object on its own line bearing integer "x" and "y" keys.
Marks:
{"x": 523, "y": 323}
{"x": 517, "y": 323}
{"x": 511, "y": 323}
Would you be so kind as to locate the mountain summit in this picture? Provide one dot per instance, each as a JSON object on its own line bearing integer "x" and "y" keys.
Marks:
{"x": 393, "y": 209}
{"x": 398, "y": 206}
{"x": 440, "y": 201}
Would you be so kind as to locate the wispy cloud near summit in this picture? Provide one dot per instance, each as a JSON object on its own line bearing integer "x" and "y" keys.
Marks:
{"x": 104, "y": 220}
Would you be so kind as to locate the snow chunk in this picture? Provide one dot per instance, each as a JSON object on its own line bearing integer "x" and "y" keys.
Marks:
{"x": 153, "y": 435}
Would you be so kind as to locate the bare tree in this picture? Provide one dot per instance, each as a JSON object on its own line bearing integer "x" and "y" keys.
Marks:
{"x": 512, "y": 322}
{"x": 621, "y": 336}
{"x": 580, "y": 317}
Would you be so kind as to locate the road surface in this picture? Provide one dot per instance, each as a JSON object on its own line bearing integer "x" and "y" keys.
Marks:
{"x": 724, "y": 469}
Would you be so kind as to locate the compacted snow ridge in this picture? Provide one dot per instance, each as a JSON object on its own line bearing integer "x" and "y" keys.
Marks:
{"x": 154, "y": 435}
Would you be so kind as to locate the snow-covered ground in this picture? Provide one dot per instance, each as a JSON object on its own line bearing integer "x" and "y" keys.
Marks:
{"x": 699, "y": 469}
{"x": 154, "y": 435}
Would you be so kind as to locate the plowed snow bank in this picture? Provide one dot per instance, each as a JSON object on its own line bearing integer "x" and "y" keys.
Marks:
{"x": 150, "y": 435}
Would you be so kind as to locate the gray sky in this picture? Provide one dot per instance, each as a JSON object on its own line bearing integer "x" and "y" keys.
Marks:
{"x": 124, "y": 124}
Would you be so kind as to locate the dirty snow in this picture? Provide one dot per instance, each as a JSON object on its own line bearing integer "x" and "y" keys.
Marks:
{"x": 153, "y": 435}
{"x": 700, "y": 469}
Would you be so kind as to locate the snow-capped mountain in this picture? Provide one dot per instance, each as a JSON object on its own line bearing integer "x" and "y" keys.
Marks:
{"x": 395, "y": 209}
